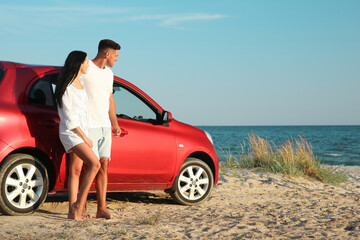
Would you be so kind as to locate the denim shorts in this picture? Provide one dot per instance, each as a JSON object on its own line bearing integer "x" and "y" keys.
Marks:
{"x": 101, "y": 138}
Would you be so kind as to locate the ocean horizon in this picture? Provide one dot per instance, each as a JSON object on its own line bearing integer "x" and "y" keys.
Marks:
{"x": 332, "y": 144}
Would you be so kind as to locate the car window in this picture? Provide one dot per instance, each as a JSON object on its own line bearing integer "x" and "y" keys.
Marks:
{"x": 42, "y": 92}
{"x": 130, "y": 106}
{"x": 1, "y": 74}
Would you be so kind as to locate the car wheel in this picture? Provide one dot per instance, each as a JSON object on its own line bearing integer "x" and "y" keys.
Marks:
{"x": 24, "y": 184}
{"x": 194, "y": 183}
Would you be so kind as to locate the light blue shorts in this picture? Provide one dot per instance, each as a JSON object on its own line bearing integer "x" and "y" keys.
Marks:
{"x": 101, "y": 138}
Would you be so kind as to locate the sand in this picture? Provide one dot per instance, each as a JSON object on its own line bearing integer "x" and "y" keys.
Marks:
{"x": 246, "y": 204}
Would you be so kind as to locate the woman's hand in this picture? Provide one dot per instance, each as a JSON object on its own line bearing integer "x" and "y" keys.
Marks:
{"x": 81, "y": 134}
{"x": 88, "y": 142}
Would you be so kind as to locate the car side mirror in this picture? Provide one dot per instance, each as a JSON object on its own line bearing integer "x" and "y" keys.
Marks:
{"x": 166, "y": 117}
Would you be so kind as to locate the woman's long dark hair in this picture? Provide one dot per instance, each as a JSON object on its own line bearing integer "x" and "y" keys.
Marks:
{"x": 68, "y": 73}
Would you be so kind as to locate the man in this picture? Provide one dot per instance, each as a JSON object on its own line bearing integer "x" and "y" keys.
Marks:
{"x": 98, "y": 84}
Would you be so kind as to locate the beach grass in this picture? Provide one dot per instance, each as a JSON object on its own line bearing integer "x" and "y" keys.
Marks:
{"x": 295, "y": 157}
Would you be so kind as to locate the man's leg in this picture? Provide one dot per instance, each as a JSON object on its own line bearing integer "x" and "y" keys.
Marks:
{"x": 101, "y": 181}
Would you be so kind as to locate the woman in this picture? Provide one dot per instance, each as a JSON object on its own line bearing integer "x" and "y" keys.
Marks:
{"x": 71, "y": 101}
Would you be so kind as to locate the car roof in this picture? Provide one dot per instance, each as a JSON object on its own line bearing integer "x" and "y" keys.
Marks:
{"x": 4, "y": 65}
{"x": 32, "y": 70}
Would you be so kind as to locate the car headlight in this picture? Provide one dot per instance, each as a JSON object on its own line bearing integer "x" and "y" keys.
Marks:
{"x": 209, "y": 137}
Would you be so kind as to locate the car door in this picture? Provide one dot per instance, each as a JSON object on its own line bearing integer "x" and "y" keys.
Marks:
{"x": 43, "y": 119}
{"x": 145, "y": 153}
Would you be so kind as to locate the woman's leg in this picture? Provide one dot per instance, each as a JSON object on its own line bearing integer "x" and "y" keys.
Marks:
{"x": 73, "y": 182}
{"x": 85, "y": 153}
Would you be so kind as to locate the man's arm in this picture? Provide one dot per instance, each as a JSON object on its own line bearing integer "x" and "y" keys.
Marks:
{"x": 113, "y": 117}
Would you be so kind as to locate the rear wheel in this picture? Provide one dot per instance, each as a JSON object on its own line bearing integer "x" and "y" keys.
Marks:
{"x": 23, "y": 184}
{"x": 194, "y": 183}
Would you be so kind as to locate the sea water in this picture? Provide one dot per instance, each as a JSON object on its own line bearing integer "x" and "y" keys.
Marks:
{"x": 333, "y": 145}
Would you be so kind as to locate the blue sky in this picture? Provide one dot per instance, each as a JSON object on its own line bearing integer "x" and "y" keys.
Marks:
{"x": 228, "y": 62}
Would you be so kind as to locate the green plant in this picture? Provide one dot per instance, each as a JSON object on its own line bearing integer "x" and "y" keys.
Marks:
{"x": 295, "y": 157}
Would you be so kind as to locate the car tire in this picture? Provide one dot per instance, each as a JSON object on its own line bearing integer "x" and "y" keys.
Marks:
{"x": 194, "y": 183}
{"x": 23, "y": 184}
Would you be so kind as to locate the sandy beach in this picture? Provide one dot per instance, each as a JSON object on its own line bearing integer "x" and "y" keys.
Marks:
{"x": 246, "y": 204}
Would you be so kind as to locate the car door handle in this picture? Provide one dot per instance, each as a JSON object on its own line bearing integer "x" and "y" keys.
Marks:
{"x": 123, "y": 132}
{"x": 48, "y": 123}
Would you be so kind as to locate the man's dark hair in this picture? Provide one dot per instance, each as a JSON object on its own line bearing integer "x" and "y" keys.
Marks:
{"x": 107, "y": 43}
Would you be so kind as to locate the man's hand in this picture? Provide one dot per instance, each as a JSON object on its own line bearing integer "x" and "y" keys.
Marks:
{"x": 116, "y": 131}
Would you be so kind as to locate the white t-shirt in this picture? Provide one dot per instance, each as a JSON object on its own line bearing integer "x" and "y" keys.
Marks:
{"x": 98, "y": 84}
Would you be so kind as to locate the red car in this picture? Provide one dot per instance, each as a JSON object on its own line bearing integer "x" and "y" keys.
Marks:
{"x": 154, "y": 151}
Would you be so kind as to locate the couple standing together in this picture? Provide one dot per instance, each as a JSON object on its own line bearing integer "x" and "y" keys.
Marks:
{"x": 87, "y": 111}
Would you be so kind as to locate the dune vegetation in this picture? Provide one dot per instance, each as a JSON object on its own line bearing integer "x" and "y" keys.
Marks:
{"x": 295, "y": 157}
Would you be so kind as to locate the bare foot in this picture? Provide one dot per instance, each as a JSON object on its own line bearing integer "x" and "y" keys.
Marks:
{"x": 71, "y": 214}
{"x": 85, "y": 214}
{"x": 75, "y": 213}
{"x": 104, "y": 213}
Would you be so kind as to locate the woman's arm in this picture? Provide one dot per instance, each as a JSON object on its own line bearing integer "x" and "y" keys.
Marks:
{"x": 71, "y": 117}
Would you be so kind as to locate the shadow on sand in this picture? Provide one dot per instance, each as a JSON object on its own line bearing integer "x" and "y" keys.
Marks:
{"x": 132, "y": 197}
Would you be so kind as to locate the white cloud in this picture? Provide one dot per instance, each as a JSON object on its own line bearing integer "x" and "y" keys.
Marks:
{"x": 89, "y": 10}
{"x": 42, "y": 16}
{"x": 173, "y": 20}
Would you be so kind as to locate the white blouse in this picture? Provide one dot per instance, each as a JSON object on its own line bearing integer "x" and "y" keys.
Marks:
{"x": 73, "y": 113}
